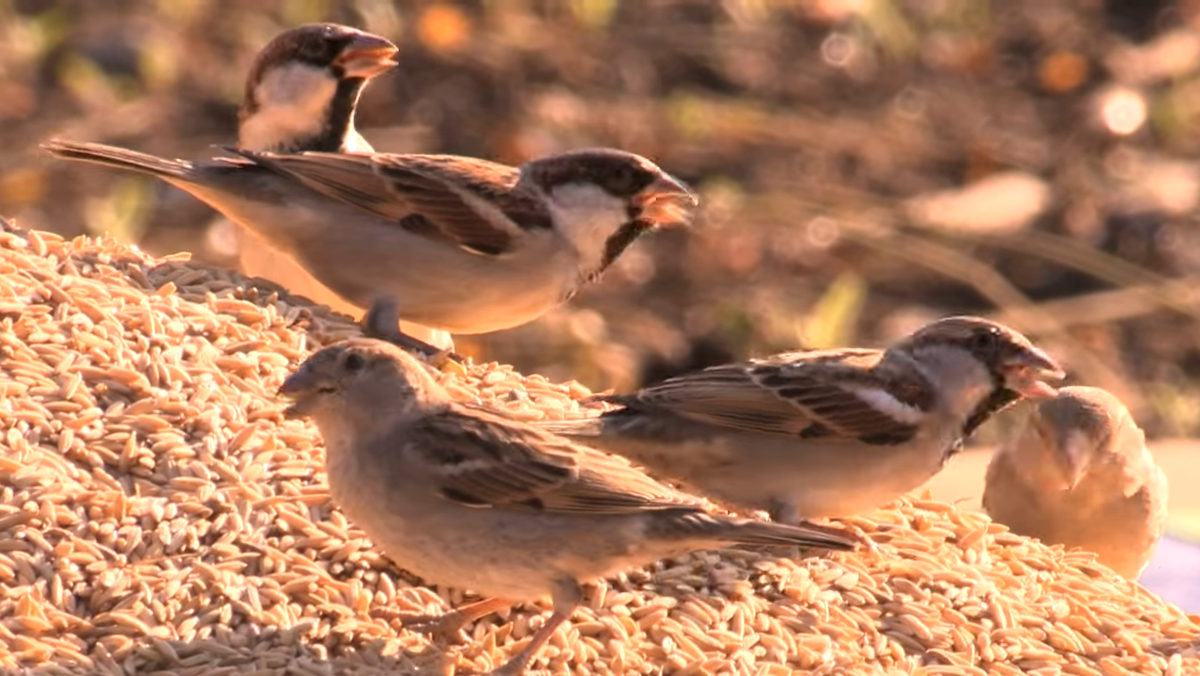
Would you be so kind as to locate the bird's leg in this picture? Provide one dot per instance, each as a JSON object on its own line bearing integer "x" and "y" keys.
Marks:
{"x": 516, "y": 665}
{"x": 448, "y": 624}
{"x": 382, "y": 321}
{"x": 566, "y": 596}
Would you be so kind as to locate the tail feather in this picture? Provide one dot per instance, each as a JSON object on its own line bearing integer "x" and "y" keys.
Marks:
{"x": 695, "y": 525}
{"x": 122, "y": 158}
{"x": 753, "y": 532}
{"x": 579, "y": 427}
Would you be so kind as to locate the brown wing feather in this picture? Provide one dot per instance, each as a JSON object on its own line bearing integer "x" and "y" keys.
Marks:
{"x": 417, "y": 192}
{"x": 432, "y": 183}
{"x": 348, "y": 177}
{"x": 807, "y": 395}
{"x": 725, "y": 396}
{"x": 486, "y": 460}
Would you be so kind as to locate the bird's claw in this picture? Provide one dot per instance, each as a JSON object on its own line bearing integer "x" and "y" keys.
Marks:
{"x": 381, "y": 322}
{"x": 442, "y": 625}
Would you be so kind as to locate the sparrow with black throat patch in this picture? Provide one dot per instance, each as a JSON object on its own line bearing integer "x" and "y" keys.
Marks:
{"x": 301, "y": 94}
{"x": 823, "y": 433}
{"x": 466, "y": 497}
{"x": 303, "y": 87}
{"x": 454, "y": 243}
{"x": 1079, "y": 474}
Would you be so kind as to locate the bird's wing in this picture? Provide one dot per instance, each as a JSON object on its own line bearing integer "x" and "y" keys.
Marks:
{"x": 829, "y": 395}
{"x": 461, "y": 201}
{"x": 481, "y": 459}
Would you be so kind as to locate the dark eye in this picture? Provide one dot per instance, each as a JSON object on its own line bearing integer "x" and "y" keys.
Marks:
{"x": 319, "y": 48}
{"x": 985, "y": 342}
{"x": 353, "y": 363}
{"x": 625, "y": 180}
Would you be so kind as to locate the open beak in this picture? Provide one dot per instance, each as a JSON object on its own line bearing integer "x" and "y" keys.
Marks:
{"x": 367, "y": 56}
{"x": 297, "y": 387}
{"x": 668, "y": 201}
{"x": 1027, "y": 372}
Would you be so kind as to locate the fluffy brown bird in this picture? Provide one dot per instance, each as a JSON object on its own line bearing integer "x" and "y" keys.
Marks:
{"x": 1079, "y": 474}
{"x": 825, "y": 432}
{"x": 469, "y": 498}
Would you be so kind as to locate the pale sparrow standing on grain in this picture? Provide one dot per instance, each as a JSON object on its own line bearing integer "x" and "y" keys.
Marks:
{"x": 453, "y": 243}
{"x": 1079, "y": 474}
{"x": 472, "y": 499}
{"x": 825, "y": 432}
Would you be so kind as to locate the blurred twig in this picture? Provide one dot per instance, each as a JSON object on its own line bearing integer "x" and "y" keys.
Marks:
{"x": 1121, "y": 304}
{"x": 1157, "y": 290}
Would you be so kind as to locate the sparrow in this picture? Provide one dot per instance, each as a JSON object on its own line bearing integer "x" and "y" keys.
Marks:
{"x": 823, "y": 433}
{"x": 1079, "y": 474}
{"x": 301, "y": 93}
{"x": 471, "y": 498}
{"x": 454, "y": 243}
{"x": 303, "y": 87}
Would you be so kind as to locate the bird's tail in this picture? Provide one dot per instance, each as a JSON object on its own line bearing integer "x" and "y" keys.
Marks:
{"x": 696, "y": 525}
{"x": 579, "y": 427}
{"x": 122, "y": 158}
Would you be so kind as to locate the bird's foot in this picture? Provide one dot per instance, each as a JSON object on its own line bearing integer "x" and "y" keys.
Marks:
{"x": 443, "y": 625}
{"x": 382, "y": 322}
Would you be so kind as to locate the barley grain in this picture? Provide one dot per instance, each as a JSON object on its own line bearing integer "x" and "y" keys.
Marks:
{"x": 158, "y": 516}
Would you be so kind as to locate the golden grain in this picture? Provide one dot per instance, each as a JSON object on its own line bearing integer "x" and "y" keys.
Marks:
{"x": 157, "y": 515}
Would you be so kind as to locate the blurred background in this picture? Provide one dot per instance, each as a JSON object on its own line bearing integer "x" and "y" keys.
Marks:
{"x": 865, "y": 165}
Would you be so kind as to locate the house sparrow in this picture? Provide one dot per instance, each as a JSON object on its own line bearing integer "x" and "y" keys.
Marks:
{"x": 474, "y": 499}
{"x": 303, "y": 87}
{"x": 301, "y": 93}
{"x": 825, "y": 432}
{"x": 1079, "y": 474}
{"x": 454, "y": 243}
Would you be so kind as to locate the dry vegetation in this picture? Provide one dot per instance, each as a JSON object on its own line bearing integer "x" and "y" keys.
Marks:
{"x": 157, "y": 516}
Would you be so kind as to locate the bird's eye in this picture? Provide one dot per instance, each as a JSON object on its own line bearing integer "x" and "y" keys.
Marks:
{"x": 985, "y": 342}
{"x": 624, "y": 181}
{"x": 319, "y": 48}
{"x": 353, "y": 362}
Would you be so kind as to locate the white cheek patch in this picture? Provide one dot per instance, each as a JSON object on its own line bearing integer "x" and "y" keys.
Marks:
{"x": 587, "y": 216}
{"x": 886, "y": 403}
{"x": 292, "y": 102}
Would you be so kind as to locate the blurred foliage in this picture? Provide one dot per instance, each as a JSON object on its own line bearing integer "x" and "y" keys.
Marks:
{"x": 866, "y": 165}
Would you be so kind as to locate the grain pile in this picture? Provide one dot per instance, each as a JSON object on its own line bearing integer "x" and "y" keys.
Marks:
{"x": 157, "y": 516}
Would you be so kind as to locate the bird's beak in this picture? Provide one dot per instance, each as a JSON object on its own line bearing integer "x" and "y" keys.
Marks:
{"x": 367, "y": 56}
{"x": 298, "y": 387}
{"x": 667, "y": 200}
{"x": 1026, "y": 372}
{"x": 1075, "y": 456}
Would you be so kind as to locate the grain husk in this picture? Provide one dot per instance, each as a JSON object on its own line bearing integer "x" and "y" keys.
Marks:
{"x": 158, "y": 516}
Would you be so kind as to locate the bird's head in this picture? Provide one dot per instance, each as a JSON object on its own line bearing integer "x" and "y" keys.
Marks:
{"x": 303, "y": 87}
